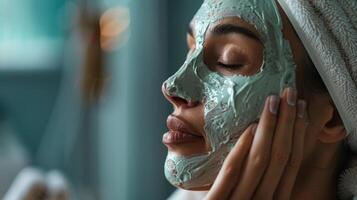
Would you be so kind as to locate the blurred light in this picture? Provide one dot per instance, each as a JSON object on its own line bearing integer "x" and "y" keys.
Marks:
{"x": 113, "y": 23}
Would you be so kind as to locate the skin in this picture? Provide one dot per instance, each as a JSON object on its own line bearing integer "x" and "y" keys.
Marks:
{"x": 295, "y": 153}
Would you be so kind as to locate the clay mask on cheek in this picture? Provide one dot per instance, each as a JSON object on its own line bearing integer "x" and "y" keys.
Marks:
{"x": 231, "y": 103}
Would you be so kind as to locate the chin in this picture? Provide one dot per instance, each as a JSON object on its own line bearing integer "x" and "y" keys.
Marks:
{"x": 198, "y": 189}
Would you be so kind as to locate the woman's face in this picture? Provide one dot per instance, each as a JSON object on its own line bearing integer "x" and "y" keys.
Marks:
{"x": 232, "y": 47}
{"x": 232, "y": 66}
{"x": 224, "y": 53}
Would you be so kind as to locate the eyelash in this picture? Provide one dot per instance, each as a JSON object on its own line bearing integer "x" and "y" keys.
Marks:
{"x": 229, "y": 66}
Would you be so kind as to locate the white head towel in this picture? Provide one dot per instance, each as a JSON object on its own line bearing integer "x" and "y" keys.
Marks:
{"x": 328, "y": 30}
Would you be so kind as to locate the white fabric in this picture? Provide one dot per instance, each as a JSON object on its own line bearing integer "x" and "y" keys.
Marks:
{"x": 328, "y": 30}
{"x": 27, "y": 180}
{"x": 32, "y": 179}
{"x": 187, "y": 195}
{"x": 13, "y": 157}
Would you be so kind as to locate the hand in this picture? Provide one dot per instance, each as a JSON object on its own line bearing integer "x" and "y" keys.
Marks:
{"x": 33, "y": 184}
{"x": 266, "y": 159}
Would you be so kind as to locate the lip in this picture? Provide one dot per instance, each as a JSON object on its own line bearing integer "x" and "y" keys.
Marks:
{"x": 179, "y": 132}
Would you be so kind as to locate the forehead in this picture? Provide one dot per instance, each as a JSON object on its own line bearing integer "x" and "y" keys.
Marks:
{"x": 257, "y": 13}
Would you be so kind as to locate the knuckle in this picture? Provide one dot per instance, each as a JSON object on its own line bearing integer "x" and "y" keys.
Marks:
{"x": 260, "y": 160}
{"x": 243, "y": 141}
{"x": 241, "y": 145}
{"x": 230, "y": 169}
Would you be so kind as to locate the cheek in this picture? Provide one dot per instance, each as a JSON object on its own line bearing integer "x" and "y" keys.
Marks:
{"x": 256, "y": 57}
{"x": 237, "y": 102}
{"x": 200, "y": 125}
{"x": 256, "y": 52}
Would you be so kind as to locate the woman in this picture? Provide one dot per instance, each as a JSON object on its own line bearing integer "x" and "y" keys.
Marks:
{"x": 249, "y": 78}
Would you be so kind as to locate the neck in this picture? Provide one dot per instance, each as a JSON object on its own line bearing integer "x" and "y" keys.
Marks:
{"x": 318, "y": 179}
{"x": 315, "y": 184}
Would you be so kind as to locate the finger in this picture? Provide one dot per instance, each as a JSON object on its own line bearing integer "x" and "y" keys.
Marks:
{"x": 281, "y": 147}
{"x": 287, "y": 182}
{"x": 260, "y": 151}
{"x": 231, "y": 168}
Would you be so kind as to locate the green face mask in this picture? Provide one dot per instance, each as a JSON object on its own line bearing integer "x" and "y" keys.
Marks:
{"x": 231, "y": 103}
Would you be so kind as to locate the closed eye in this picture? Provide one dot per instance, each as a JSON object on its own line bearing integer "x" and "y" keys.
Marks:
{"x": 230, "y": 66}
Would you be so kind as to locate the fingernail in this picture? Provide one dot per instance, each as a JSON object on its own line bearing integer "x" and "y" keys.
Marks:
{"x": 274, "y": 104}
{"x": 254, "y": 129}
{"x": 301, "y": 109}
{"x": 292, "y": 95}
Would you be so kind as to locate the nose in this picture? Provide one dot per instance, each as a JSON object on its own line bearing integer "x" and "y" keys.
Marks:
{"x": 175, "y": 99}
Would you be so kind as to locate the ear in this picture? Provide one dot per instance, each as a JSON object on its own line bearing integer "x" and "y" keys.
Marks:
{"x": 333, "y": 130}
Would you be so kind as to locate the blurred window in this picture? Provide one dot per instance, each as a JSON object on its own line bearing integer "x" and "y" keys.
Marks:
{"x": 31, "y": 30}
{"x": 21, "y": 20}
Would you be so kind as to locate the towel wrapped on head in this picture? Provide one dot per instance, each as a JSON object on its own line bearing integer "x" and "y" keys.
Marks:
{"x": 328, "y": 30}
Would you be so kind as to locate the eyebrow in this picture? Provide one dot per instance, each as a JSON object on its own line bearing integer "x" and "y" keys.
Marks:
{"x": 225, "y": 29}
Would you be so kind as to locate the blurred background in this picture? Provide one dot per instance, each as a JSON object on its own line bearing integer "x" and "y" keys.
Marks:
{"x": 80, "y": 92}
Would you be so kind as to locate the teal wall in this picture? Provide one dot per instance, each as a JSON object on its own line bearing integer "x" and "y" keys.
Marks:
{"x": 30, "y": 65}
{"x": 26, "y": 102}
